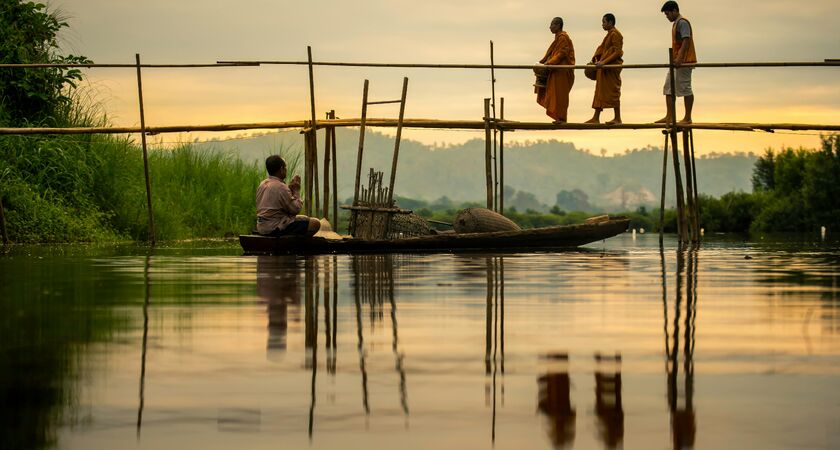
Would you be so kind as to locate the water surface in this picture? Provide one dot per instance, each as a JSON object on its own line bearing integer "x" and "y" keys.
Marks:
{"x": 618, "y": 345}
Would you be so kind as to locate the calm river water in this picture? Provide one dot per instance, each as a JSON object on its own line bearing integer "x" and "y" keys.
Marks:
{"x": 617, "y": 345}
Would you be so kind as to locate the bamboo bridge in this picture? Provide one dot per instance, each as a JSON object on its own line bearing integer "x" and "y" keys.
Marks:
{"x": 493, "y": 125}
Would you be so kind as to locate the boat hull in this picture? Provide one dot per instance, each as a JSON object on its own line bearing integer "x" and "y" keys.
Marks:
{"x": 559, "y": 237}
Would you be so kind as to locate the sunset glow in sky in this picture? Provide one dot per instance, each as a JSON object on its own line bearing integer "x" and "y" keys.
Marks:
{"x": 436, "y": 31}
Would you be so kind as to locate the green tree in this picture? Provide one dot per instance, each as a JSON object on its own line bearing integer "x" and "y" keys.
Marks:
{"x": 29, "y": 35}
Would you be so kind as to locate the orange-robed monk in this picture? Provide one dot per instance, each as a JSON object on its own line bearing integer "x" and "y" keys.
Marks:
{"x": 553, "y": 92}
{"x": 608, "y": 81}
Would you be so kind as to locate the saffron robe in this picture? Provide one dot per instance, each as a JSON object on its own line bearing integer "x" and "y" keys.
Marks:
{"x": 554, "y": 97}
{"x": 608, "y": 81}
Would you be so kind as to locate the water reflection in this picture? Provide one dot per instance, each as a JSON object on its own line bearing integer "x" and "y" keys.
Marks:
{"x": 608, "y": 405}
{"x": 680, "y": 384}
{"x": 278, "y": 285}
{"x": 555, "y": 400}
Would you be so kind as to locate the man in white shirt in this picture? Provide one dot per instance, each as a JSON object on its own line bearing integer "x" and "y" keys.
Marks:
{"x": 278, "y": 204}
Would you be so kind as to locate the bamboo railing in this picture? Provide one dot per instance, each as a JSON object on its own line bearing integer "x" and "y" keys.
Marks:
{"x": 489, "y": 123}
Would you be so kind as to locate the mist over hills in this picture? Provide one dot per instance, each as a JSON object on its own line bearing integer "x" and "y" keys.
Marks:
{"x": 542, "y": 168}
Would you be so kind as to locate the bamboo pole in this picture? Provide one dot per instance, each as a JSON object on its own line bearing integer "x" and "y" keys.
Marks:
{"x": 152, "y": 233}
{"x": 327, "y": 146}
{"x": 501, "y": 189}
{"x": 681, "y": 225}
{"x": 508, "y": 125}
{"x": 495, "y": 131}
{"x": 397, "y": 143}
{"x": 334, "y": 177}
{"x": 827, "y": 63}
{"x": 662, "y": 196}
{"x": 361, "y": 143}
{"x": 312, "y": 164}
{"x": 696, "y": 192}
{"x": 307, "y": 172}
{"x": 3, "y": 222}
{"x": 316, "y": 188}
{"x": 689, "y": 188}
{"x": 488, "y": 173}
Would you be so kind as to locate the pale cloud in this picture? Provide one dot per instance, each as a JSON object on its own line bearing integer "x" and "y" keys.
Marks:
{"x": 437, "y": 31}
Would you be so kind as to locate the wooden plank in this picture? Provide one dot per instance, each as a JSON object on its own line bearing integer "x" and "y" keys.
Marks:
{"x": 501, "y": 189}
{"x": 825, "y": 63}
{"x": 362, "y": 124}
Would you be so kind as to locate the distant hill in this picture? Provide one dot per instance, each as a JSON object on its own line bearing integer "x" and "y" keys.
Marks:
{"x": 544, "y": 168}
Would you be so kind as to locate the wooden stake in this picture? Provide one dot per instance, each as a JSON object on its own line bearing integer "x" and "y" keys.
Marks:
{"x": 361, "y": 143}
{"x": 501, "y": 189}
{"x": 334, "y": 179}
{"x": 327, "y": 146}
{"x": 152, "y": 238}
{"x": 314, "y": 139}
{"x": 696, "y": 192}
{"x": 397, "y": 143}
{"x": 487, "y": 169}
{"x": 662, "y": 196}
{"x": 3, "y": 222}
{"x": 313, "y": 143}
{"x": 495, "y": 131}
{"x": 689, "y": 189}
{"x": 682, "y": 229}
{"x": 307, "y": 173}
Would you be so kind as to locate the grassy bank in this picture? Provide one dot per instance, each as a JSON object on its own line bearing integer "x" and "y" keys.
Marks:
{"x": 91, "y": 188}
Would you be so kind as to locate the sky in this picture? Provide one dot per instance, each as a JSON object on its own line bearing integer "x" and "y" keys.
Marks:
{"x": 434, "y": 31}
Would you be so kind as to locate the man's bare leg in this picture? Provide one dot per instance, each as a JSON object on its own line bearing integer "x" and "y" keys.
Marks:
{"x": 596, "y": 118}
{"x": 670, "y": 111}
{"x": 617, "y": 119}
{"x": 313, "y": 227}
{"x": 689, "y": 104}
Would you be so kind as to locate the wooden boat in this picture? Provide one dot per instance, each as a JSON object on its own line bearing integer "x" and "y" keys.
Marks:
{"x": 558, "y": 237}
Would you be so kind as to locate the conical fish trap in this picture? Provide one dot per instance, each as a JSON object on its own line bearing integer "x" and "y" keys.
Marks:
{"x": 482, "y": 220}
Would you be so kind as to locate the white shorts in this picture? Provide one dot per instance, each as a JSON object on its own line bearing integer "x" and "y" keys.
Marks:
{"x": 682, "y": 76}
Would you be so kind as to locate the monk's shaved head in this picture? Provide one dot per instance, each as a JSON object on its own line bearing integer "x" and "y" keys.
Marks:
{"x": 558, "y": 22}
{"x": 609, "y": 18}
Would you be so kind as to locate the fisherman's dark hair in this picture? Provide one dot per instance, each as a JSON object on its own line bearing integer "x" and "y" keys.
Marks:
{"x": 274, "y": 164}
{"x": 558, "y": 20}
{"x": 670, "y": 5}
{"x": 610, "y": 18}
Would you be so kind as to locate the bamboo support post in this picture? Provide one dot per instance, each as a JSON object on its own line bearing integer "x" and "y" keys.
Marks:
{"x": 689, "y": 188}
{"x": 696, "y": 192}
{"x": 495, "y": 130}
{"x": 361, "y": 143}
{"x": 672, "y": 102}
{"x": 397, "y": 143}
{"x": 307, "y": 172}
{"x": 487, "y": 170}
{"x": 313, "y": 143}
{"x": 3, "y": 222}
{"x": 327, "y": 137}
{"x": 152, "y": 237}
{"x": 315, "y": 187}
{"x": 662, "y": 196}
{"x": 334, "y": 177}
{"x": 501, "y": 189}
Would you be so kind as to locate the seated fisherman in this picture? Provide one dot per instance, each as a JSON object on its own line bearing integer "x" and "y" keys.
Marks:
{"x": 278, "y": 204}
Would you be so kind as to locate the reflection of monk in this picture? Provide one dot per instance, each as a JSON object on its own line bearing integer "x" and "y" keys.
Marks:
{"x": 608, "y": 405}
{"x": 555, "y": 402}
{"x": 279, "y": 286}
{"x": 553, "y": 86}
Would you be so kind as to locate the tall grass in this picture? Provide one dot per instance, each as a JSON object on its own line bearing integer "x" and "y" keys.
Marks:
{"x": 90, "y": 187}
